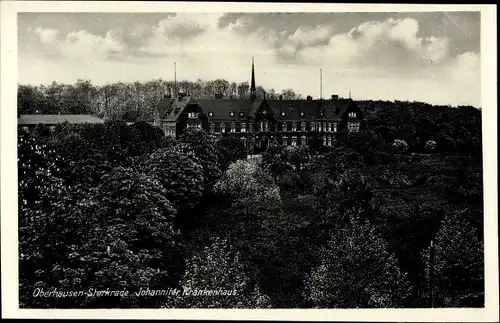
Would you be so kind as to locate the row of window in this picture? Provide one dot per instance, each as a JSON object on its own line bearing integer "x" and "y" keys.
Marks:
{"x": 293, "y": 141}
{"x": 281, "y": 126}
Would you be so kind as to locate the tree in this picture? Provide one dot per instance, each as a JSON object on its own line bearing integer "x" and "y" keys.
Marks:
{"x": 244, "y": 179}
{"x": 119, "y": 236}
{"x": 356, "y": 271}
{"x": 204, "y": 147}
{"x": 458, "y": 279}
{"x": 180, "y": 173}
{"x": 243, "y": 90}
{"x": 218, "y": 272}
{"x": 229, "y": 150}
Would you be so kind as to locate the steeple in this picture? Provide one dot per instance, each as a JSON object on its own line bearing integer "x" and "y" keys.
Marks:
{"x": 253, "y": 91}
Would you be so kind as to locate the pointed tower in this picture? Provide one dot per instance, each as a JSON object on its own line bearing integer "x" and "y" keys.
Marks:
{"x": 253, "y": 91}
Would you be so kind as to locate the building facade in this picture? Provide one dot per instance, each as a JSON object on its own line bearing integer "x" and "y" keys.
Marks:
{"x": 259, "y": 122}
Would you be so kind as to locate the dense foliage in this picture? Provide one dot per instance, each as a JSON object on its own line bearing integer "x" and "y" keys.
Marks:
{"x": 117, "y": 206}
{"x": 127, "y": 101}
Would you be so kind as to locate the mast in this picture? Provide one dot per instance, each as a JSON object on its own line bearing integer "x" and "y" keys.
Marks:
{"x": 175, "y": 79}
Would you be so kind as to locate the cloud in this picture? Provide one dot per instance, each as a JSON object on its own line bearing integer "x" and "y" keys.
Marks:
{"x": 391, "y": 44}
{"x": 378, "y": 59}
{"x": 82, "y": 44}
{"x": 47, "y": 35}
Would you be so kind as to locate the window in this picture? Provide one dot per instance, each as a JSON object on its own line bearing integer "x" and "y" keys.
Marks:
{"x": 294, "y": 126}
{"x": 212, "y": 127}
{"x": 250, "y": 127}
{"x": 233, "y": 127}
{"x": 285, "y": 126}
{"x": 193, "y": 115}
{"x": 334, "y": 127}
{"x": 352, "y": 114}
{"x": 25, "y": 129}
{"x": 243, "y": 127}
{"x": 329, "y": 141}
{"x": 320, "y": 126}
{"x": 301, "y": 113}
{"x": 329, "y": 127}
{"x": 266, "y": 126}
{"x": 303, "y": 140}
{"x": 210, "y": 114}
{"x": 324, "y": 140}
{"x": 313, "y": 126}
{"x": 294, "y": 141}
{"x": 353, "y": 126}
{"x": 303, "y": 126}
{"x": 231, "y": 114}
{"x": 244, "y": 140}
{"x": 282, "y": 113}
{"x": 52, "y": 128}
{"x": 261, "y": 126}
{"x": 285, "y": 140}
{"x": 241, "y": 113}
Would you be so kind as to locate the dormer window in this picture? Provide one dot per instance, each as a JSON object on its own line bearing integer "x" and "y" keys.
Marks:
{"x": 193, "y": 115}
{"x": 322, "y": 113}
{"x": 352, "y": 114}
{"x": 282, "y": 113}
{"x": 231, "y": 114}
{"x": 210, "y": 114}
{"x": 241, "y": 113}
{"x": 302, "y": 113}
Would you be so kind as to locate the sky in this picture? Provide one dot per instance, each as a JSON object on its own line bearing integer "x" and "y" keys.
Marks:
{"x": 428, "y": 56}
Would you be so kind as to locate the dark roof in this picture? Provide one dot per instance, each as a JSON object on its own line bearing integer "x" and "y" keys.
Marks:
{"x": 163, "y": 106}
{"x": 174, "y": 107}
{"x": 27, "y": 119}
{"x": 221, "y": 109}
{"x": 311, "y": 109}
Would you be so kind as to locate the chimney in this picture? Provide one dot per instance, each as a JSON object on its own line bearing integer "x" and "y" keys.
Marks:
{"x": 219, "y": 96}
{"x": 281, "y": 97}
{"x": 309, "y": 97}
{"x": 335, "y": 97}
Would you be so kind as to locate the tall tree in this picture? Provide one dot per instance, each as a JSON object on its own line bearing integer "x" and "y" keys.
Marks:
{"x": 357, "y": 271}
{"x": 216, "y": 278}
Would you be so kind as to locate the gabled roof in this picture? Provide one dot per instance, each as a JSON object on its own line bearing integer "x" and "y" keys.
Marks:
{"x": 220, "y": 109}
{"x": 52, "y": 119}
{"x": 163, "y": 106}
{"x": 174, "y": 107}
{"x": 309, "y": 109}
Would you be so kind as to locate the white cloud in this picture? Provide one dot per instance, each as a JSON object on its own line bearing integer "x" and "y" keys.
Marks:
{"x": 47, "y": 35}
{"x": 375, "y": 60}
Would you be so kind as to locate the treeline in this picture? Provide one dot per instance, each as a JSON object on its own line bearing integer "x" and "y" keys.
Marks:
{"x": 121, "y": 207}
{"x": 127, "y": 101}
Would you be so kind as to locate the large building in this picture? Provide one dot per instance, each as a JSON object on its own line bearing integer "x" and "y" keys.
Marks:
{"x": 258, "y": 121}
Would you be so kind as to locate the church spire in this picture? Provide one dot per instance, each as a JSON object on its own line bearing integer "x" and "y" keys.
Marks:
{"x": 253, "y": 91}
